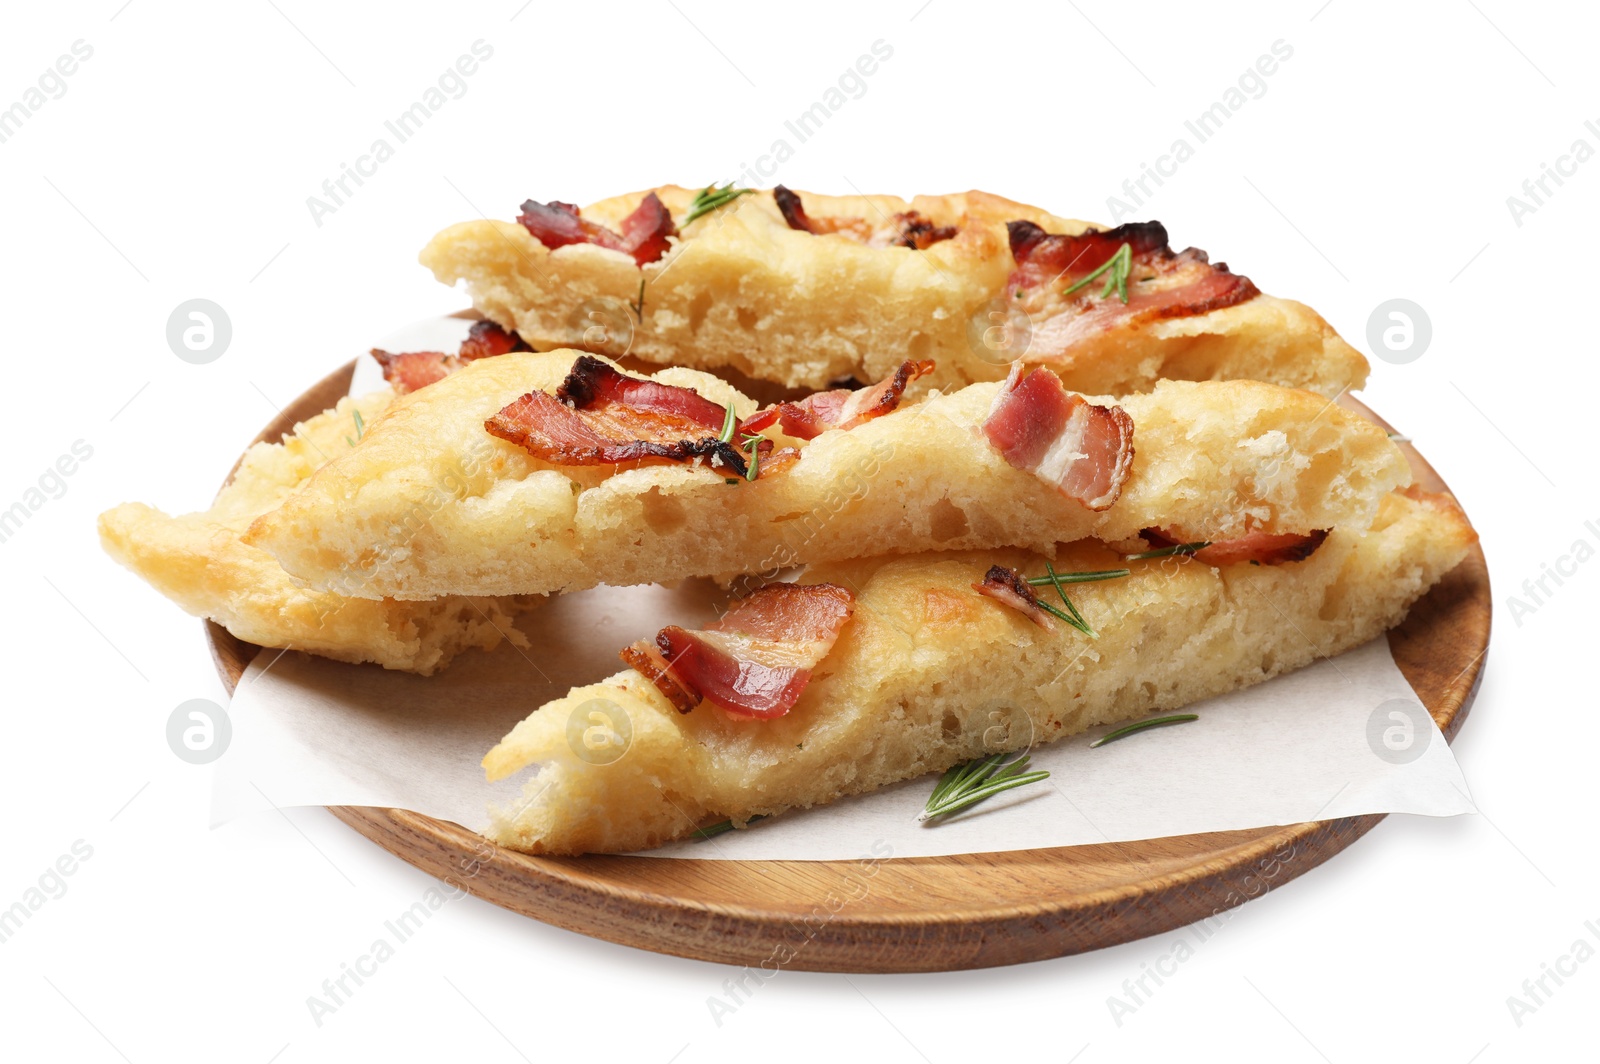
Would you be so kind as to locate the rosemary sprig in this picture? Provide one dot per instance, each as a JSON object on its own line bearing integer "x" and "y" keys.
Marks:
{"x": 710, "y": 198}
{"x": 721, "y": 827}
{"x": 1075, "y": 621}
{"x": 1078, "y": 578}
{"x": 752, "y": 443}
{"x": 1072, "y": 616}
{"x": 963, "y": 786}
{"x": 360, "y": 427}
{"x": 1141, "y": 725}
{"x": 1167, "y": 552}
{"x": 1118, "y": 266}
{"x": 1399, "y": 438}
{"x": 730, "y": 424}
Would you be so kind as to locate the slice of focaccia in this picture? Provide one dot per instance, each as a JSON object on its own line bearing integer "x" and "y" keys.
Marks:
{"x": 928, "y": 672}
{"x": 445, "y": 494}
{"x": 807, "y": 289}
{"x": 199, "y": 561}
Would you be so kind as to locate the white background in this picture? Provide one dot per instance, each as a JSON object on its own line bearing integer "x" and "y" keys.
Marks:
{"x": 177, "y": 165}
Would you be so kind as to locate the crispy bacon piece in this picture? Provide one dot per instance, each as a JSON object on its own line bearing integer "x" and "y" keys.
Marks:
{"x": 600, "y": 416}
{"x": 794, "y": 213}
{"x": 1083, "y": 449}
{"x": 907, "y": 229}
{"x": 778, "y": 461}
{"x": 1011, "y": 587}
{"x": 1161, "y": 284}
{"x": 1042, "y": 257}
{"x": 1258, "y": 548}
{"x": 593, "y": 381}
{"x": 644, "y": 657}
{"x": 418, "y": 369}
{"x": 838, "y": 408}
{"x": 415, "y": 369}
{"x": 756, "y": 659}
{"x": 550, "y": 430}
{"x": 644, "y": 232}
{"x": 917, "y": 231}
{"x": 486, "y": 339}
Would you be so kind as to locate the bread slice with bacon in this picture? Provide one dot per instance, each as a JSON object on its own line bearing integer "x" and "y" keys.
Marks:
{"x": 805, "y": 290}
{"x": 538, "y": 472}
{"x": 793, "y": 706}
{"x": 200, "y": 562}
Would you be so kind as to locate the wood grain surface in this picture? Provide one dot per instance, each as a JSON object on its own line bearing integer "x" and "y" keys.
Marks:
{"x": 925, "y": 913}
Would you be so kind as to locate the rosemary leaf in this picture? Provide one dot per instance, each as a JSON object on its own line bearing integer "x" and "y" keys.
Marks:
{"x": 1141, "y": 725}
{"x": 1077, "y": 618}
{"x": 753, "y": 443}
{"x": 721, "y": 827}
{"x": 1062, "y": 615}
{"x": 1167, "y": 552}
{"x": 1118, "y": 267}
{"x": 710, "y": 198}
{"x": 360, "y": 427}
{"x": 947, "y": 779}
{"x": 1078, "y": 578}
{"x": 730, "y": 421}
{"x": 963, "y": 786}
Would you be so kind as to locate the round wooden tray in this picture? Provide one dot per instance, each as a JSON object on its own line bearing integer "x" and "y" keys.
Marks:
{"x": 925, "y": 913}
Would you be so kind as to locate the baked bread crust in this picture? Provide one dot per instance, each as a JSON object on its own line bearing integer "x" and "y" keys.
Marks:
{"x": 428, "y": 503}
{"x": 741, "y": 289}
{"x": 200, "y": 562}
{"x": 928, "y": 674}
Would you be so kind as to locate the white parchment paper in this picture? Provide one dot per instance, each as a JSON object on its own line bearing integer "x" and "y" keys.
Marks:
{"x": 1343, "y": 737}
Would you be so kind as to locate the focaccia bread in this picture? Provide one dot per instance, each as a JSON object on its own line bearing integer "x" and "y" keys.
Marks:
{"x": 864, "y": 289}
{"x": 199, "y": 562}
{"x": 927, "y": 673}
{"x": 429, "y": 503}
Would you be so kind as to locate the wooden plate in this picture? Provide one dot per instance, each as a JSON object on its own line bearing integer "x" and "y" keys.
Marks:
{"x": 924, "y": 913}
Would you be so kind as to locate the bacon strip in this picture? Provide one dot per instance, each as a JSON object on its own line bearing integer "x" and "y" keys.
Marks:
{"x": 644, "y": 657}
{"x": 838, "y": 408}
{"x": 593, "y": 381}
{"x": 600, "y": 416}
{"x": 756, "y": 659}
{"x": 550, "y": 430}
{"x": 907, "y": 229}
{"x": 1042, "y": 257}
{"x": 417, "y": 369}
{"x": 486, "y": 340}
{"x": 1161, "y": 284}
{"x": 1011, "y": 588}
{"x": 644, "y": 232}
{"x": 1258, "y": 548}
{"x": 1085, "y": 450}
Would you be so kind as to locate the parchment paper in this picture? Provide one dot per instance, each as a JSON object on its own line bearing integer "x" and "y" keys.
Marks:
{"x": 1343, "y": 737}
